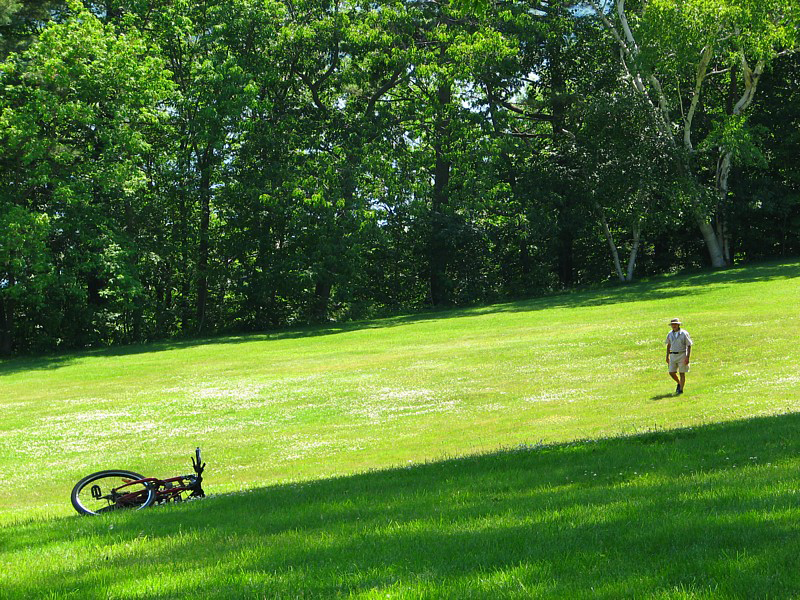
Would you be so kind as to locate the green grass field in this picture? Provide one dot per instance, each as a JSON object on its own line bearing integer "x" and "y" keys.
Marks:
{"x": 528, "y": 449}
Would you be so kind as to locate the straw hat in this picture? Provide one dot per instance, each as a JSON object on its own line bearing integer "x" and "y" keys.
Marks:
{"x": 675, "y": 322}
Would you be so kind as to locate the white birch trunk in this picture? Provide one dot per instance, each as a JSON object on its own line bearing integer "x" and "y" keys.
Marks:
{"x": 712, "y": 243}
{"x": 610, "y": 239}
{"x": 637, "y": 231}
{"x": 725, "y": 163}
{"x": 630, "y": 51}
{"x": 723, "y": 171}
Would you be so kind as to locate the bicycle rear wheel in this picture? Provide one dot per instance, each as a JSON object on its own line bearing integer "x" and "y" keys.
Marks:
{"x": 105, "y": 491}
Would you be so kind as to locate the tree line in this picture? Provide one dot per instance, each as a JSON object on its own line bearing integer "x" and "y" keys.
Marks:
{"x": 177, "y": 167}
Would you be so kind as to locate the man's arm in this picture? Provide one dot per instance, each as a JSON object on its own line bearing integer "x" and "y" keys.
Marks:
{"x": 688, "y": 347}
{"x": 667, "y": 352}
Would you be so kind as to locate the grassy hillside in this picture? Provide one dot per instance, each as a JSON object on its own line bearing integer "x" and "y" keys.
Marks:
{"x": 292, "y": 423}
{"x": 709, "y": 512}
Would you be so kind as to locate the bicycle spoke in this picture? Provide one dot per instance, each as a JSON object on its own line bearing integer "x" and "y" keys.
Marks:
{"x": 111, "y": 490}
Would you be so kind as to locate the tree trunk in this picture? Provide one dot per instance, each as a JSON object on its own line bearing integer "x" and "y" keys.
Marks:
{"x": 437, "y": 249}
{"x": 630, "y": 54}
{"x": 509, "y": 175}
{"x": 322, "y": 297}
{"x": 612, "y": 246}
{"x": 637, "y": 232}
{"x": 723, "y": 172}
{"x": 712, "y": 243}
{"x": 565, "y": 242}
{"x": 565, "y": 236}
{"x": 6, "y": 326}
{"x": 183, "y": 270}
{"x": 202, "y": 252}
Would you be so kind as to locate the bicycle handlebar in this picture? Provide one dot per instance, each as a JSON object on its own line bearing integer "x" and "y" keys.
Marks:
{"x": 197, "y": 462}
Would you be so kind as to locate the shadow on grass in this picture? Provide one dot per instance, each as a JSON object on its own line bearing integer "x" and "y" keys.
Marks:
{"x": 703, "y": 512}
{"x": 664, "y": 396}
{"x": 656, "y": 288}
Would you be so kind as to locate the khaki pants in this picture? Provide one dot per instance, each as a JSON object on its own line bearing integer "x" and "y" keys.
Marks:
{"x": 677, "y": 363}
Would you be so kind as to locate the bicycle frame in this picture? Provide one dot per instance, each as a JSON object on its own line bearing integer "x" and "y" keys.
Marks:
{"x": 168, "y": 491}
{"x": 136, "y": 491}
{"x": 121, "y": 499}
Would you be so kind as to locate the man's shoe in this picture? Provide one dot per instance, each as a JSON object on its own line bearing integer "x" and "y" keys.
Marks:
{"x": 678, "y": 389}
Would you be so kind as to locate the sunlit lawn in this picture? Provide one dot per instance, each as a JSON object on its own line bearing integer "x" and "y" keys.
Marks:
{"x": 710, "y": 511}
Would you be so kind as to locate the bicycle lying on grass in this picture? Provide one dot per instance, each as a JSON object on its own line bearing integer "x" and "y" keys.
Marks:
{"x": 105, "y": 491}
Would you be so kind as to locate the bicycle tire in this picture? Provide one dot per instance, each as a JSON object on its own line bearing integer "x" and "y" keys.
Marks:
{"x": 135, "y": 496}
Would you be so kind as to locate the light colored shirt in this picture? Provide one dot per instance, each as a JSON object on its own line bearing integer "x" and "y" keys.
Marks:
{"x": 679, "y": 340}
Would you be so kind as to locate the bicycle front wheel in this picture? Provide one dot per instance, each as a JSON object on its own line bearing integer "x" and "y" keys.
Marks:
{"x": 105, "y": 491}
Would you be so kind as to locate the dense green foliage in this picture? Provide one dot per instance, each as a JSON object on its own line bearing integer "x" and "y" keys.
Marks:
{"x": 180, "y": 168}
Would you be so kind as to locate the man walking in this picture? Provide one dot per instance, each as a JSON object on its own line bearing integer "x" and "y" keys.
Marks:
{"x": 679, "y": 348}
